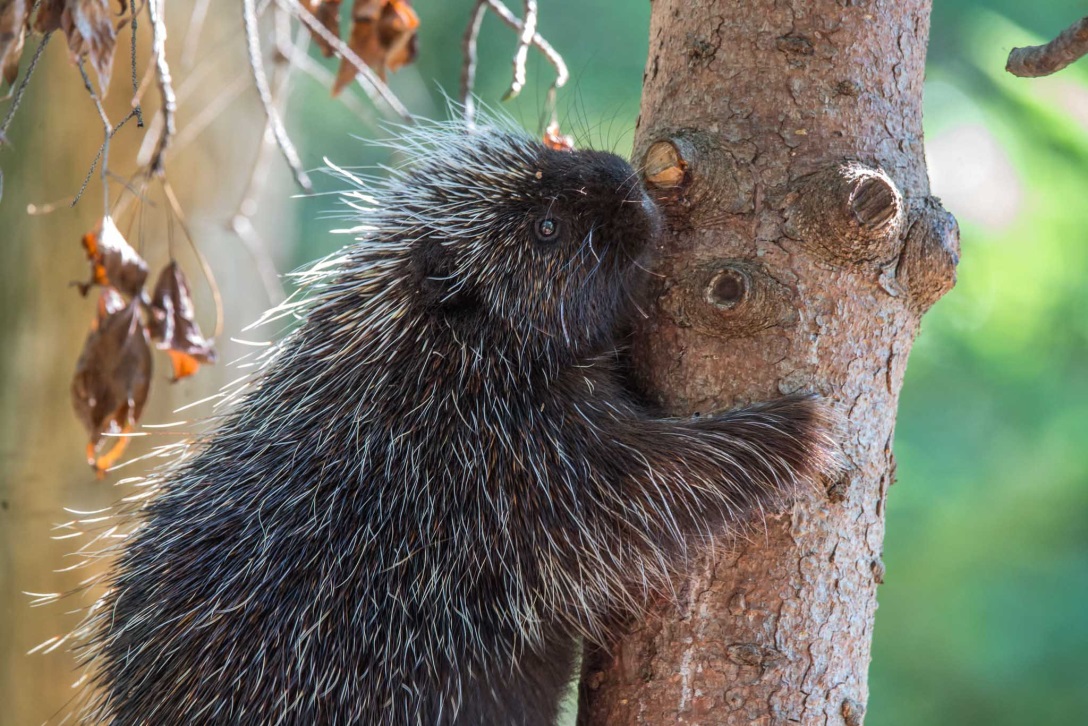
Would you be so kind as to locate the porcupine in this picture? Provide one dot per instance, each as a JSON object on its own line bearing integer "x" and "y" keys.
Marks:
{"x": 437, "y": 483}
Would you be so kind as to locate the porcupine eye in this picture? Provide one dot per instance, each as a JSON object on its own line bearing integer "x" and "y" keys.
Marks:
{"x": 546, "y": 230}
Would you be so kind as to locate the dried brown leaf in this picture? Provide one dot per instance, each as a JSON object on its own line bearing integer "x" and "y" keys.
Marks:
{"x": 112, "y": 377}
{"x": 48, "y": 18}
{"x": 556, "y": 140}
{"x": 327, "y": 12}
{"x": 113, "y": 261}
{"x": 88, "y": 25}
{"x": 383, "y": 35}
{"x": 13, "y": 20}
{"x": 173, "y": 322}
{"x": 110, "y": 301}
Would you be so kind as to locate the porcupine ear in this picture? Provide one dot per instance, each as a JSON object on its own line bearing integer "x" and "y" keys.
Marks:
{"x": 434, "y": 268}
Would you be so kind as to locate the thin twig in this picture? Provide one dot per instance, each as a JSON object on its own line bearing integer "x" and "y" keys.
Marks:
{"x": 141, "y": 88}
{"x": 243, "y": 229}
{"x": 324, "y": 78}
{"x": 211, "y": 62}
{"x": 1042, "y": 60}
{"x": 208, "y": 114}
{"x": 241, "y": 222}
{"x": 40, "y": 210}
{"x": 192, "y": 35}
{"x": 166, "y": 88}
{"x": 256, "y": 65}
{"x": 468, "y": 71}
{"x": 562, "y": 75}
{"x": 94, "y": 162}
{"x": 207, "y": 269}
{"x": 468, "y": 67}
{"x": 135, "y": 195}
{"x": 135, "y": 82}
{"x": 104, "y": 152}
{"x": 528, "y": 30}
{"x": 374, "y": 87}
{"x": 18, "y": 97}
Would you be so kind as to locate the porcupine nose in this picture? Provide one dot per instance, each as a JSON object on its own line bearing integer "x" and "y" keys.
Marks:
{"x": 644, "y": 218}
{"x": 635, "y": 221}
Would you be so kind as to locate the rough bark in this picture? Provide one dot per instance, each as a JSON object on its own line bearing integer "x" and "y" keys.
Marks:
{"x": 785, "y": 140}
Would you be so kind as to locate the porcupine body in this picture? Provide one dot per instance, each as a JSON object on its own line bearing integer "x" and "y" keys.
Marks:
{"x": 436, "y": 483}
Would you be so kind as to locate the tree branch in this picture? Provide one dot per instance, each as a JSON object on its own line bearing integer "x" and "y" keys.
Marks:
{"x": 166, "y": 87}
{"x": 18, "y": 95}
{"x": 468, "y": 64}
{"x": 526, "y": 29}
{"x": 1042, "y": 60}
{"x": 260, "y": 78}
{"x": 104, "y": 150}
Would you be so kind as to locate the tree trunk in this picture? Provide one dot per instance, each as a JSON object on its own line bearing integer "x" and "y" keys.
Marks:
{"x": 785, "y": 142}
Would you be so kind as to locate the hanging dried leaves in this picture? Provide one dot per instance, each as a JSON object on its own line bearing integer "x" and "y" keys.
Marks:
{"x": 113, "y": 261}
{"x": 48, "y": 17}
{"x": 383, "y": 35}
{"x": 88, "y": 25}
{"x": 114, "y": 371}
{"x": 13, "y": 23}
{"x": 173, "y": 323}
{"x": 112, "y": 377}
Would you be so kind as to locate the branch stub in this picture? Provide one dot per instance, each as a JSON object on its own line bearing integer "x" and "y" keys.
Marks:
{"x": 850, "y": 214}
{"x": 927, "y": 266}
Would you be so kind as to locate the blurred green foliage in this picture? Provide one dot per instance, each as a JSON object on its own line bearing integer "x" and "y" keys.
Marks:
{"x": 983, "y": 615}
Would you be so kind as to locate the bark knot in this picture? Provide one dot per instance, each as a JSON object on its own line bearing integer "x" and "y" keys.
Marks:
{"x": 927, "y": 266}
{"x": 755, "y": 655}
{"x": 849, "y": 213}
{"x": 726, "y": 298}
{"x": 853, "y": 712}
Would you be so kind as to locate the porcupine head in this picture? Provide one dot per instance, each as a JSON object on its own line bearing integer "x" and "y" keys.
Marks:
{"x": 435, "y": 485}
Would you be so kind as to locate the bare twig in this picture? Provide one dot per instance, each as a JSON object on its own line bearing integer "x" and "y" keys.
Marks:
{"x": 468, "y": 67}
{"x": 104, "y": 151}
{"x": 192, "y": 35}
{"x": 1042, "y": 60}
{"x": 468, "y": 71}
{"x": 207, "y": 269}
{"x": 528, "y": 30}
{"x": 324, "y": 78}
{"x": 209, "y": 64}
{"x": 241, "y": 222}
{"x": 40, "y": 210}
{"x": 374, "y": 87}
{"x": 94, "y": 162}
{"x": 256, "y": 65}
{"x": 562, "y": 75}
{"x": 210, "y": 113}
{"x": 135, "y": 81}
{"x": 166, "y": 87}
{"x": 18, "y": 96}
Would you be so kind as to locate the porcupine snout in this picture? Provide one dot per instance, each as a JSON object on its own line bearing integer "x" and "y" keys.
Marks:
{"x": 633, "y": 220}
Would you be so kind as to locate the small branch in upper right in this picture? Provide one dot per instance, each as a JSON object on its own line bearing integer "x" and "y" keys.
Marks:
{"x": 1042, "y": 60}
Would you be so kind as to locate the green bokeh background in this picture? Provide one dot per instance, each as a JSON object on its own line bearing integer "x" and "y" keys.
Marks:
{"x": 984, "y": 612}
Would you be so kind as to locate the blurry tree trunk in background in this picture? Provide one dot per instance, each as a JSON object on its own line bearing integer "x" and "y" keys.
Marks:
{"x": 792, "y": 262}
{"x": 43, "y": 323}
